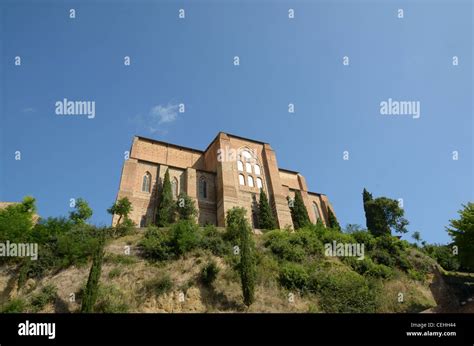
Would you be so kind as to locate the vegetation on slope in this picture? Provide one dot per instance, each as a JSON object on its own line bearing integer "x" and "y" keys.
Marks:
{"x": 183, "y": 267}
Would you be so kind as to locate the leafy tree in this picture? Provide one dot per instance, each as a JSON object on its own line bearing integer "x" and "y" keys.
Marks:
{"x": 92, "y": 288}
{"x": 265, "y": 213}
{"x": 16, "y": 221}
{"x": 443, "y": 254}
{"x": 462, "y": 232}
{"x": 299, "y": 213}
{"x": 166, "y": 207}
{"x": 28, "y": 205}
{"x": 416, "y": 236}
{"x": 383, "y": 214}
{"x": 247, "y": 266}
{"x": 82, "y": 212}
{"x": 186, "y": 207}
{"x": 122, "y": 208}
{"x": 333, "y": 223}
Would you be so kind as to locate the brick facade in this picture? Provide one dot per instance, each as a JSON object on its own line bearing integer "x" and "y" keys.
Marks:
{"x": 213, "y": 179}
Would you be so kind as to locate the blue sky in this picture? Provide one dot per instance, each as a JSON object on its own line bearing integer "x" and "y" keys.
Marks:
{"x": 282, "y": 61}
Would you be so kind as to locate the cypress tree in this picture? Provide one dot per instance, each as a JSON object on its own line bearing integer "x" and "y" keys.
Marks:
{"x": 299, "y": 213}
{"x": 165, "y": 214}
{"x": 367, "y": 197}
{"x": 265, "y": 213}
{"x": 332, "y": 221}
{"x": 247, "y": 262}
{"x": 92, "y": 288}
{"x": 186, "y": 207}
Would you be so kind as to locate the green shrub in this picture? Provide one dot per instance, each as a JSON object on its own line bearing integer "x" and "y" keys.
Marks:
{"x": 294, "y": 247}
{"x": 279, "y": 244}
{"x": 368, "y": 268}
{"x": 381, "y": 256}
{"x": 307, "y": 239}
{"x": 380, "y": 271}
{"x": 403, "y": 263}
{"x": 15, "y": 305}
{"x": 366, "y": 238}
{"x": 76, "y": 246}
{"x": 47, "y": 295}
{"x": 359, "y": 266}
{"x": 156, "y": 244}
{"x": 158, "y": 286}
{"x": 184, "y": 237}
{"x": 342, "y": 290}
{"x": 416, "y": 275}
{"x": 111, "y": 300}
{"x": 16, "y": 223}
{"x": 330, "y": 235}
{"x": 213, "y": 241}
{"x": 391, "y": 244}
{"x": 127, "y": 227}
{"x": 209, "y": 273}
{"x": 47, "y": 230}
{"x": 294, "y": 276}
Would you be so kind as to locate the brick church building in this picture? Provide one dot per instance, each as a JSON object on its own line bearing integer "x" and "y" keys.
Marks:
{"x": 229, "y": 172}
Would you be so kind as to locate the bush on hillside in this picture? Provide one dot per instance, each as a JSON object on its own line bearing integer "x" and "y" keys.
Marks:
{"x": 48, "y": 294}
{"x": 368, "y": 268}
{"x": 294, "y": 276}
{"x": 184, "y": 237}
{"x": 209, "y": 273}
{"x": 16, "y": 305}
{"x": 156, "y": 244}
{"x": 364, "y": 237}
{"x": 342, "y": 290}
{"x": 213, "y": 241}
{"x": 163, "y": 244}
{"x": 293, "y": 246}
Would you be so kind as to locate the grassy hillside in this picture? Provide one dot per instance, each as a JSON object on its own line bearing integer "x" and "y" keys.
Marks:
{"x": 171, "y": 271}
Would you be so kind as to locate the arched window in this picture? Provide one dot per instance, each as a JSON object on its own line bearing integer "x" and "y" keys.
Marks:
{"x": 241, "y": 179}
{"x": 316, "y": 211}
{"x": 259, "y": 183}
{"x": 246, "y": 156}
{"x": 248, "y": 167}
{"x": 250, "y": 181}
{"x": 240, "y": 166}
{"x": 202, "y": 188}
{"x": 146, "y": 183}
{"x": 257, "y": 169}
{"x": 174, "y": 188}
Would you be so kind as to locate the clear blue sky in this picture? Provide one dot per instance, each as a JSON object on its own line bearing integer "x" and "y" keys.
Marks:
{"x": 282, "y": 61}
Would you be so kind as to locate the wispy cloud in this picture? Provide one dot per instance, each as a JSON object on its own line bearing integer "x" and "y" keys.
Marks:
{"x": 164, "y": 114}
{"x": 157, "y": 118}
